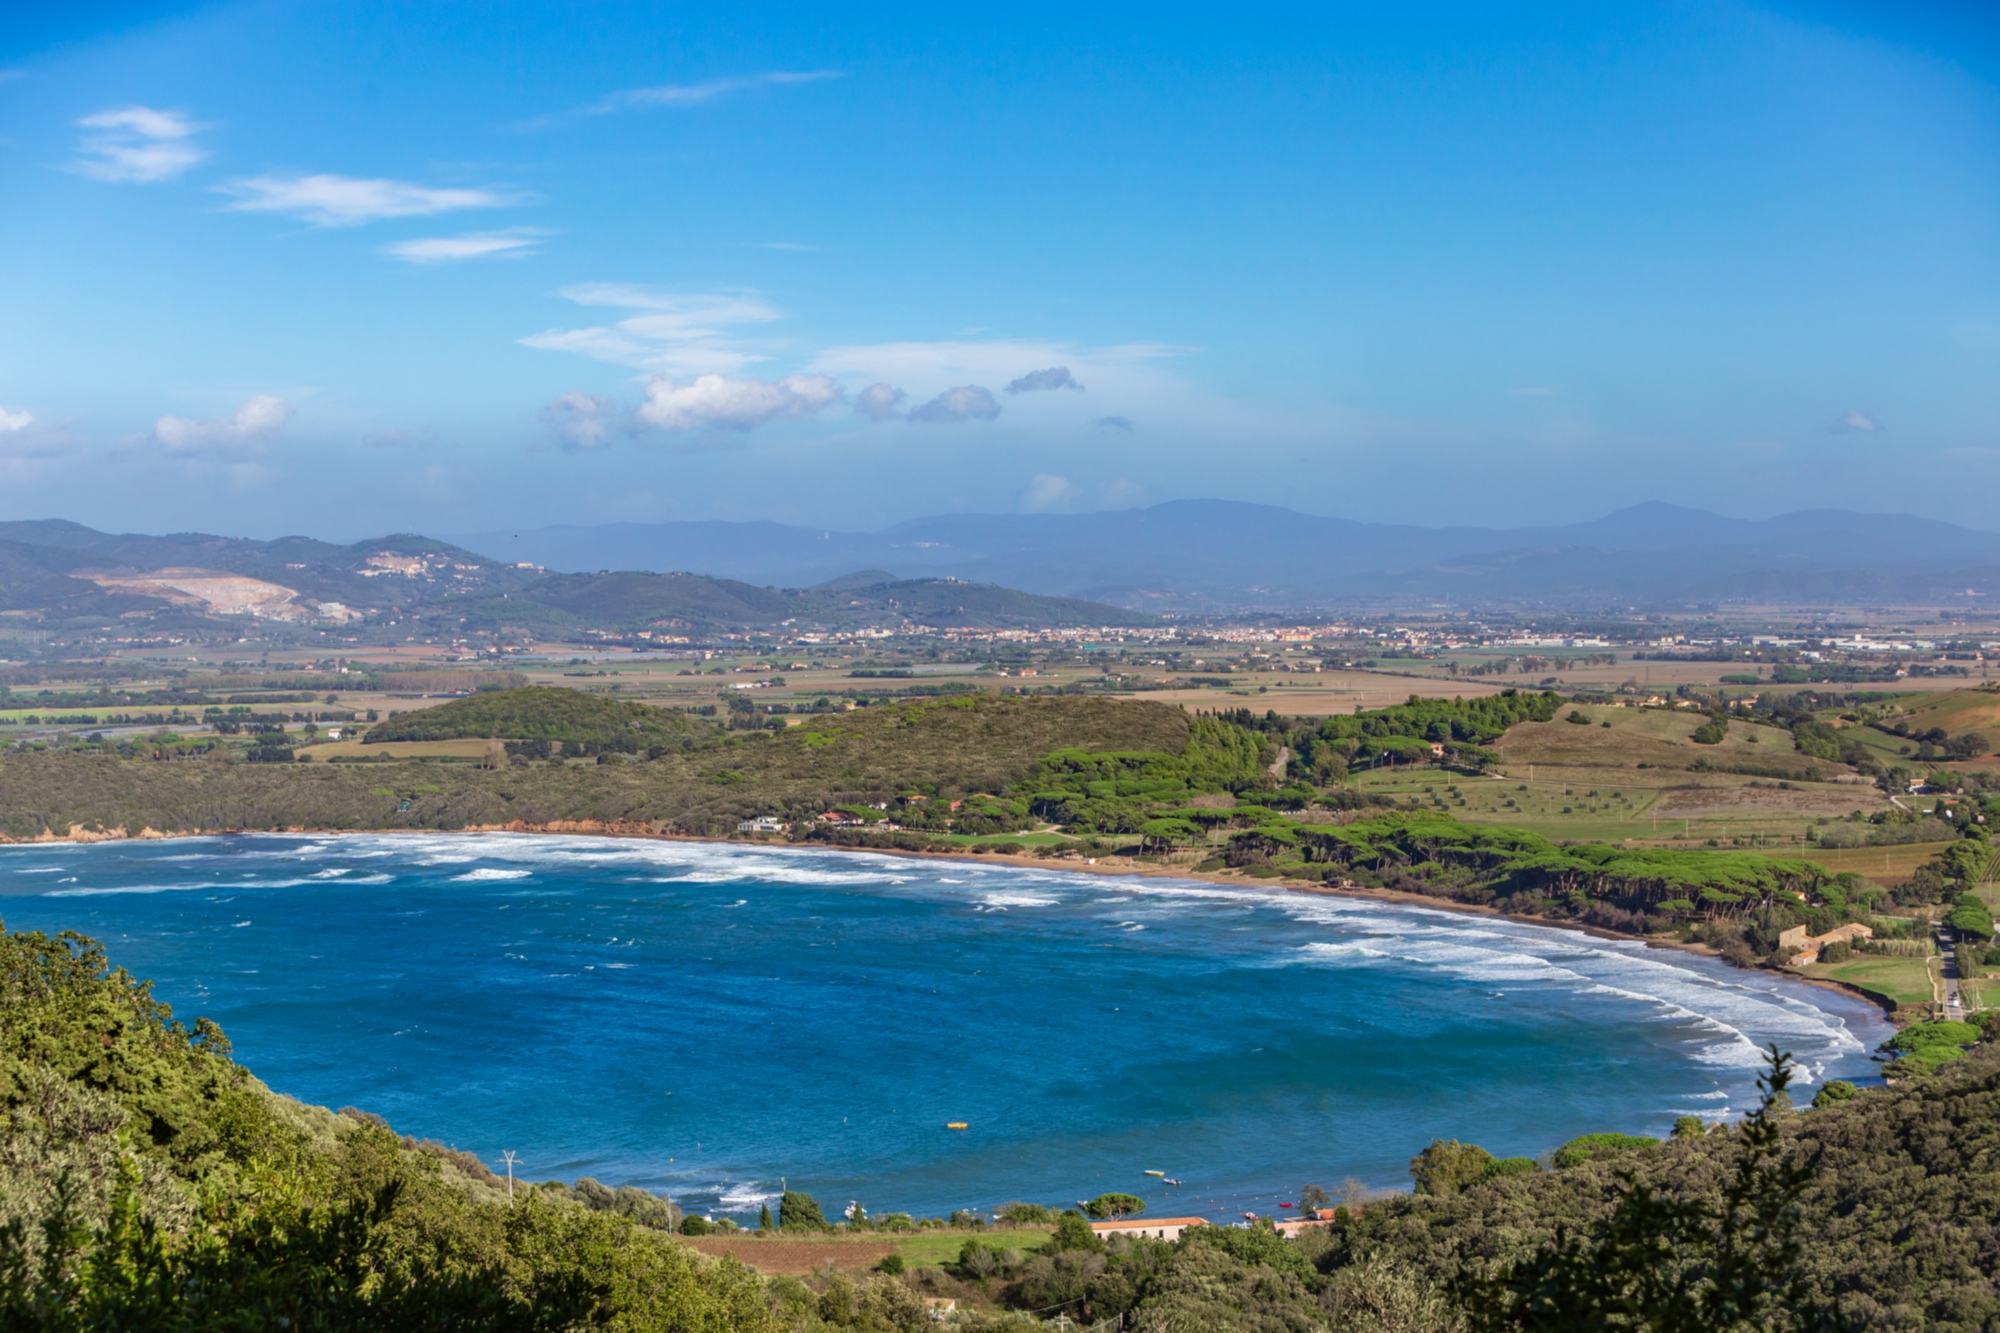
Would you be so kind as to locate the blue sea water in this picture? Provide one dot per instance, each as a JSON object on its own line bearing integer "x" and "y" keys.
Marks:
{"x": 712, "y": 1020}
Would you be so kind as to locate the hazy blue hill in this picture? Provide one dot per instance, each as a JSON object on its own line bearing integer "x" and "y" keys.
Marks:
{"x": 1216, "y": 555}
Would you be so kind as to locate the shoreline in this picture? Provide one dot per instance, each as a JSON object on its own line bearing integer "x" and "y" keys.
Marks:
{"x": 1892, "y": 1011}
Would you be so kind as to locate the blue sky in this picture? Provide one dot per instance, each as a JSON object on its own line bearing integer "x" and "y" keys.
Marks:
{"x": 343, "y": 269}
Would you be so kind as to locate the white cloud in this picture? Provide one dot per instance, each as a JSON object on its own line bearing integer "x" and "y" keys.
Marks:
{"x": 1055, "y": 377}
{"x": 1046, "y": 492}
{"x": 1851, "y": 421}
{"x": 514, "y": 243}
{"x": 12, "y": 423}
{"x": 583, "y": 420}
{"x": 685, "y": 94}
{"x": 673, "y": 333}
{"x": 327, "y": 200}
{"x": 879, "y": 402}
{"x": 138, "y": 143}
{"x": 723, "y": 402}
{"x": 243, "y": 434}
{"x": 967, "y": 402}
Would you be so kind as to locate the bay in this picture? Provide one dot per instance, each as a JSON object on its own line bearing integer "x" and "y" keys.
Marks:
{"x": 716, "y": 1020}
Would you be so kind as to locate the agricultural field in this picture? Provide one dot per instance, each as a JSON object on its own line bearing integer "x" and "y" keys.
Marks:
{"x": 482, "y": 750}
{"x": 1630, "y": 782}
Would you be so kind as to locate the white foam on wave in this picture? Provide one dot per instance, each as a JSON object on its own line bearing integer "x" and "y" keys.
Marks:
{"x": 743, "y": 1194}
{"x": 1733, "y": 1019}
{"x": 1319, "y": 951}
{"x": 42, "y": 870}
{"x": 488, "y": 874}
{"x": 110, "y": 889}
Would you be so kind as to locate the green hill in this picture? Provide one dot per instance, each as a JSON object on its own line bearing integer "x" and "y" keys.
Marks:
{"x": 946, "y": 747}
{"x": 543, "y": 713}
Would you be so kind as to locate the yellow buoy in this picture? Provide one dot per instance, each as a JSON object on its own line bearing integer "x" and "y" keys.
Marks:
{"x": 955, "y": 1124}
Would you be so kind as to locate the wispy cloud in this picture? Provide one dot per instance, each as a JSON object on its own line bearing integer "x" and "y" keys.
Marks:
{"x": 1536, "y": 391}
{"x": 581, "y": 420}
{"x": 138, "y": 143}
{"x": 724, "y": 402}
{"x": 1123, "y": 425}
{"x": 1035, "y": 381}
{"x": 788, "y": 245}
{"x": 1851, "y": 422}
{"x": 327, "y": 200}
{"x": 513, "y": 243}
{"x": 676, "y": 333}
{"x": 682, "y": 94}
{"x": 967, "y": 402}
{"x": 1046, "y": 491}
{"x": 244, "y": 433}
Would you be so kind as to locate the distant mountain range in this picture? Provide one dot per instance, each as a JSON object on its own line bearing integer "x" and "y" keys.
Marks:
{"x": 1216, "y": 556}
{"x": 63, "y": 575}
{"x": 980, "y": 570}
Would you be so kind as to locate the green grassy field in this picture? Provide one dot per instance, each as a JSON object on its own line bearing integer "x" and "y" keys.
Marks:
{"x": 1904, "y": 980}
{"x": 928, "y": 1249}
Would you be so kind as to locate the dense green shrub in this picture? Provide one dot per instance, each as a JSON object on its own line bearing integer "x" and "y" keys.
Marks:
{"x": 1596, "y": 1147}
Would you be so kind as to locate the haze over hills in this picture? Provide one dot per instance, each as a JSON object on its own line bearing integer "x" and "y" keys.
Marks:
{"x": 1216, "y": 555}
{"x": 63, "y": 574}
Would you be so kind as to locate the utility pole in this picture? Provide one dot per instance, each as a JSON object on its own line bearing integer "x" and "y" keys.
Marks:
{"x": 508, "y": 1158}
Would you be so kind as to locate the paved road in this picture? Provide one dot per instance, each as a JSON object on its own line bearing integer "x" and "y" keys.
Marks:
{"x": 1954, "y": 1005}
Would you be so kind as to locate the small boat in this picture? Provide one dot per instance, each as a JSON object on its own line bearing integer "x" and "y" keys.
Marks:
{"x": 1171, "y": 1181}
{"x": 1161, "y": 1174}
{"x": 955, "y": 1124}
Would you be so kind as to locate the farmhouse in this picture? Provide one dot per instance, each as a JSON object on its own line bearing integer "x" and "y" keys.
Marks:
{"x": 1810, "y": 946}
{"x": 1154, "y": 1228}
